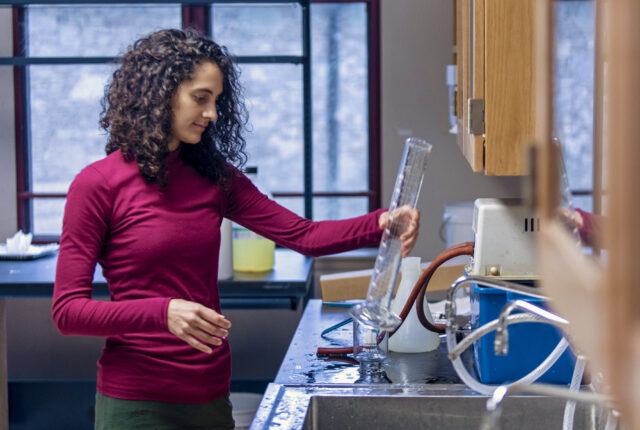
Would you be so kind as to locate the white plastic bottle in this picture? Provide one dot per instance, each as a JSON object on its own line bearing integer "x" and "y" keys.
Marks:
{"x": 411, "y": 336}
{"x": 225, "y": 259}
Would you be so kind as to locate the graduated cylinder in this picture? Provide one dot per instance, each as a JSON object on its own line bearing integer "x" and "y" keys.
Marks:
{"x": 375, "y": 311}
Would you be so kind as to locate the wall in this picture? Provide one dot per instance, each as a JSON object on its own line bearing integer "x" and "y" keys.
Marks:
{"x": 416, "y": 47}
{"x": 417, "y": 37}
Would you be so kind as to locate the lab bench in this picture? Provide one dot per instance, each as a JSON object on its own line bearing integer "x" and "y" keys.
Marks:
{"x": 284, "y": 287}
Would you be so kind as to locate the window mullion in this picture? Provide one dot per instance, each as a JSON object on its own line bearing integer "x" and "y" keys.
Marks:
{"x": 375, "y": 117}
{"x": 23, "y": 158}
{"x": 307, "y": 111}
{"x": 196, "y": 17}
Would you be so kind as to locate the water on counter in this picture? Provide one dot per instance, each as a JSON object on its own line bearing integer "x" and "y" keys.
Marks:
{"x": 303, "y": 366}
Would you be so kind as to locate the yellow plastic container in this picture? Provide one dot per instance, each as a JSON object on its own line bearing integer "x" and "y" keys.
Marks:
{"x": 252, "y": 252}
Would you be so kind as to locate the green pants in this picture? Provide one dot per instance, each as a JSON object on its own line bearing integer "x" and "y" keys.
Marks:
{"x": 119, "y": 414}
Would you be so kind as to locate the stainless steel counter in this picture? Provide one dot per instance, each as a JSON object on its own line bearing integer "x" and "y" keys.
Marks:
{"x": 301, "y": 366}
{"x": 315, "y": 393}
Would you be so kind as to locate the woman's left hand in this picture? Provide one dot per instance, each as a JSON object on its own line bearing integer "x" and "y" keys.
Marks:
{"x": 407, "y": 220}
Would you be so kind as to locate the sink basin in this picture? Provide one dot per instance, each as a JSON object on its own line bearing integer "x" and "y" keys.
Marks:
{"x": 442, "y": 413}
{"x": 439, "y": 407}
{"x": 424, "y": 392}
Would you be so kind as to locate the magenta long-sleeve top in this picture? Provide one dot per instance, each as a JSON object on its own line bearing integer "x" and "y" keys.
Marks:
{"x": 591, "y": 231}
{"x": 155, "y": 245}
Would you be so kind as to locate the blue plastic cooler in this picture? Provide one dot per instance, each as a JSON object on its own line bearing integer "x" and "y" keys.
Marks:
{"x": 529, "y": 343}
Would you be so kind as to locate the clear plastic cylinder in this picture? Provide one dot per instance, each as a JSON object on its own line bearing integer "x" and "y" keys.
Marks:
{"x": 375, "y": 312}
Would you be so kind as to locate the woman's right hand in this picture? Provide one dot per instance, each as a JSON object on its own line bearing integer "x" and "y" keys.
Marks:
{"x": 196, "y": 324}
{"x": 571, "y": 218}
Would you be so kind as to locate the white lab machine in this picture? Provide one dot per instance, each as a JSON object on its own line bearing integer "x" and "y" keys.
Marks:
{"x": 505, "y": 233}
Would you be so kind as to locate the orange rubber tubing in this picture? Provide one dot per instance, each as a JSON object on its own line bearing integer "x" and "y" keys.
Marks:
{"x": 418, "y": 293}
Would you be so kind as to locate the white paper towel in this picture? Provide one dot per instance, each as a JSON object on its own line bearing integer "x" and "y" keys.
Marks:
{"x": 19, "y": 243}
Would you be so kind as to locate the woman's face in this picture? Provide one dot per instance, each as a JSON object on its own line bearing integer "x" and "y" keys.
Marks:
{"x": 194, "y": 105}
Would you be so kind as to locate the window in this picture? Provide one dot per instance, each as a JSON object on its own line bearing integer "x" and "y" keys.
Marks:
{"x": 574, "y": 94}
{"x": 63, "y": 100}
{"x": 69, "y": 53}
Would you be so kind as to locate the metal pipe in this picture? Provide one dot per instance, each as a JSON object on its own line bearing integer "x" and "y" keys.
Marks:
{"x": 450, "y": 307}
{"x": 494, "y": 402}
{"x": 489, "y": 327}
{"x": 501, "y": 343}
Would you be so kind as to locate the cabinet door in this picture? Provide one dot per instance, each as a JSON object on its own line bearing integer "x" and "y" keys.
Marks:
{"x": 495, "y": 55}
{"x": 470, "y": 61}
{"x": 509, "y": 85}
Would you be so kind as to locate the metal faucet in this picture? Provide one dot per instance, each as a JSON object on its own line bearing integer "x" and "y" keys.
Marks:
{"x": 501, "y": 343}
{"x": 535, "y": 314}
{"x": 450, "y": 308}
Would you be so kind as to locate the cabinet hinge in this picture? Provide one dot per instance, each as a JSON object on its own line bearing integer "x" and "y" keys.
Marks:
{"x": 476, "y": 116}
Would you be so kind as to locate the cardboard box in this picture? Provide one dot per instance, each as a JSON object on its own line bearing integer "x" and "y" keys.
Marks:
{"x": 354, "y": 285}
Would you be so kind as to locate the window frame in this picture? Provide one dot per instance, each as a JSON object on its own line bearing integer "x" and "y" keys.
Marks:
{"x": 594, "y": 192}
{"x": 195, "y": 14}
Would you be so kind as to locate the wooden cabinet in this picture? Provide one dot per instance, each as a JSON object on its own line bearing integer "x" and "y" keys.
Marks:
{"x": 496, "y": 89}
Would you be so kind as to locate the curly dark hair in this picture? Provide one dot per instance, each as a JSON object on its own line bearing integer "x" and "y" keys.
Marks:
{"x": 136, "y": 109}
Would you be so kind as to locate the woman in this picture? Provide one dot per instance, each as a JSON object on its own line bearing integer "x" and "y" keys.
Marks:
{"x": 150, "y": 214}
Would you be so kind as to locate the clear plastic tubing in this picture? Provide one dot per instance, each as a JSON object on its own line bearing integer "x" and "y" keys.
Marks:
{"x": 375, "y": 312}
